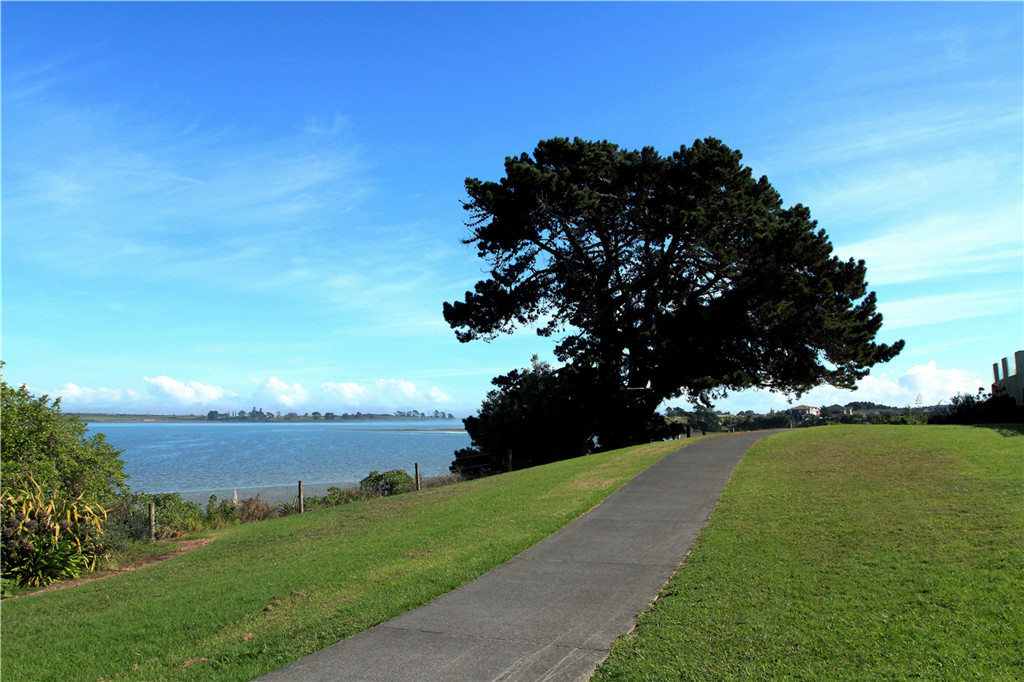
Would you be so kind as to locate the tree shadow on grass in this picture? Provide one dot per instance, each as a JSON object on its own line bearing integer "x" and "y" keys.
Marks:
{"x": 1007, "y": 430}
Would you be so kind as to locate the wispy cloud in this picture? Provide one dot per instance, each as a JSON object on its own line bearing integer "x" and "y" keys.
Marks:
{"x": 99, "y": 188}
{"x": 943, "y": 246}
{"x": 923, "y": 310}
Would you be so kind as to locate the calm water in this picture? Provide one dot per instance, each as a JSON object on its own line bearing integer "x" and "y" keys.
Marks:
{"x": 199, "y": 457}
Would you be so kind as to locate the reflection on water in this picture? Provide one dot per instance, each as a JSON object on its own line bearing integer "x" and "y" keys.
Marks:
{"x": 203, "y": 456}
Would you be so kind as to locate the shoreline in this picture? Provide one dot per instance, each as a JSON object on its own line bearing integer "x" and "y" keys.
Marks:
{"x": 274, "y": 494}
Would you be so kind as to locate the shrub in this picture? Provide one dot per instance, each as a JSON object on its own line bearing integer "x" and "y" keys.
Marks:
{"x": 255, "y": 509}
{"x": 128, "y": 521}
{"x": 48, "y": 537}
{"x": 533, "y": 416}
{"x": 220, "y": 514}
{"x": 292, "y": 506}
{"x": 983, "y": 408}
{"x": 389, "y": 483}
{"x": 335, "y": 497}
{"x": 51, "y": 448}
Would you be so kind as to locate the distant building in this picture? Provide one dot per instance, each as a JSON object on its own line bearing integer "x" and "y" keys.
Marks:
{"x": 838, "y": 409}
{"x": 804, "y": 411}
{"x": 1012, "y": 384}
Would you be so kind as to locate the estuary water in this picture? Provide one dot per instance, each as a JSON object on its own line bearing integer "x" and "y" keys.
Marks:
{"x": 198, "y": 459}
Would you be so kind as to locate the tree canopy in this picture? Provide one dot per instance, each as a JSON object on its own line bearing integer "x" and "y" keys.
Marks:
{"x": 664, "y": 277}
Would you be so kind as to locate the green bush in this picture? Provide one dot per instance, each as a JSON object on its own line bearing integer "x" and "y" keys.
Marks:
{"x": 292, "y": 506}
{"x": 128, "y": 521}
{"x": 335, "y": 497}
{"x": 391, "y": 482}
{"x": 38, "y": 441}
{"x": 256, "y": 509}
{"x": 221, "y": 513}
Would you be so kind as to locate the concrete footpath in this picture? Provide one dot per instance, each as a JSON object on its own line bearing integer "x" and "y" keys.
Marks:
{"x": 554, "y": 611}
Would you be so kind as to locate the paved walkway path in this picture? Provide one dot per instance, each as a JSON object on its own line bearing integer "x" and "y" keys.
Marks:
{"x": 554, "y": 611}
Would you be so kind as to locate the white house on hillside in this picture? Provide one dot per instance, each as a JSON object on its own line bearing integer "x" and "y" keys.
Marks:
{"x": 804, "y": 411}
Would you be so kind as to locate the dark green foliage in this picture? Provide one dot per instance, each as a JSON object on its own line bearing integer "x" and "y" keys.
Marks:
{"x": 867, "y": 405}
{"x": 335, "y": 497}
{"x": 704, "y": 419}
{"x": 756, "y": 422}
{"x": 983, "y": 408}
{"x": 534, "y": 416}
{"x": 664, "y": 277}
{"x": 51, "y": 448}
{"x": 55, "y": 482}
{"x": 388, "y": 483}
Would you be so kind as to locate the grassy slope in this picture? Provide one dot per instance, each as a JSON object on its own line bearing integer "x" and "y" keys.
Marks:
{"x": 851, "y": 553}
{"x": 265, "y": 594}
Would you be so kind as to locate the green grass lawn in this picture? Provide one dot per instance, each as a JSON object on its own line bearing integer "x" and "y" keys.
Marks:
{"x": 851, "y": 553}
{"x": 265, "y": 594}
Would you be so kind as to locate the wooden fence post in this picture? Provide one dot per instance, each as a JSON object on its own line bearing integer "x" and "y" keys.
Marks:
{"x": 152, "y": 522}
{"x": 417, "y": 475}
{"x": 302, "y": 501}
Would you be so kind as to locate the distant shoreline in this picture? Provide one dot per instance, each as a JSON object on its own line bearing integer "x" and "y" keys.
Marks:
{"x": 104, "y": 417}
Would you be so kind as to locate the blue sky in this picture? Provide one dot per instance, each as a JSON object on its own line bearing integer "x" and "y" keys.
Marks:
{"x": 222, "y": 205}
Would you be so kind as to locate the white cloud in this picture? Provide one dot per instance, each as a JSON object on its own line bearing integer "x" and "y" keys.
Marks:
{"x": 275, "y": 391}
{"x": 398, "y": 392}
{"x": 352, "y": 393}
{"x": 396, "y": 389}
{"x": 935, "y": 385}
{"x": 925, "y": 383}
{"x": 81, "y": 397}
{"x": 440, "y": 397}
{"x": 386, "y": 394}
{"x": 194, "y": 392}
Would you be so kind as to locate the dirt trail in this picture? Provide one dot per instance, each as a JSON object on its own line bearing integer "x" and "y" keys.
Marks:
{"x": 180, "y": 548}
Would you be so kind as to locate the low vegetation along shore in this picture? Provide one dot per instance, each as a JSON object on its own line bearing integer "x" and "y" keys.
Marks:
{"x": 844, "y": 552}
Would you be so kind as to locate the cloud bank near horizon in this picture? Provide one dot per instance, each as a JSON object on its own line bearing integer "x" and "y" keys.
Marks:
{"x": 926, "y": 384}
{"x": 167, "y": 395}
